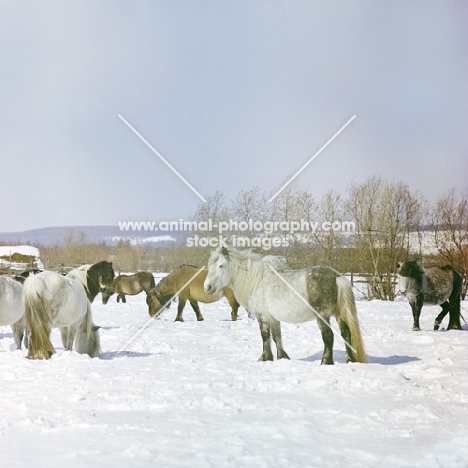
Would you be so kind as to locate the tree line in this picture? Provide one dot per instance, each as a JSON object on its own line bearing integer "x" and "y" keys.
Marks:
{"x": 389, "y": 221}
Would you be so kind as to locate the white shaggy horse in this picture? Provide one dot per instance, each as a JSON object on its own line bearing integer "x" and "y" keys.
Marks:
{"x": 281, "y": 294}
{"x": 52, "y": 300}
{"x": 11, "y": 309}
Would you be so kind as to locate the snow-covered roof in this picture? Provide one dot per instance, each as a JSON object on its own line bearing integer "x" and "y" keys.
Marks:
{"x": 6, "y": 250}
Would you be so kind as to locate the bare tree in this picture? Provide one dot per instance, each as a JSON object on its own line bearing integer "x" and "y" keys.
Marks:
{"x": 330, "y": 213}
{"x": 249, "y": 204}
{"x": 215, "y": 208}
{"x": 449, "y": 222}
{"x": 385, "y": 215}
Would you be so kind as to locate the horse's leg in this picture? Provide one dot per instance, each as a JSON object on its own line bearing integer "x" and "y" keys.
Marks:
{"x": 232, "y": 302}
{"x": 276, "y": 334}
{"x": 454, "y": 301}
{"x": 196, "y": 308}
{"x": 68, "y": 335}
{"x": 454, "y": 321}
{"x": 180, "y": 308}
{"x": 124, "y": 298}
{"x": 17, "y": 334}
{"x": 445, "y": 310}
{"x": 64, "y": 337}
{"x": 327, "y": 337}
{"x": 346, "y": 334}
{"x": 416, "y": 307}
{"x": 18, "y": 329}
{"x": 267, "y": 355}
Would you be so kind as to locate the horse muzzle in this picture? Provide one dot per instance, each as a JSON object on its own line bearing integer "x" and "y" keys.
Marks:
{"x": 209, "y": 288}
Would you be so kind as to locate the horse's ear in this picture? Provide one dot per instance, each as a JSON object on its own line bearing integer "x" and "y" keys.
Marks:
{"x": 224, "y": 251}
{"x": 96, "y": 328}
{"x": 399, "y": 264}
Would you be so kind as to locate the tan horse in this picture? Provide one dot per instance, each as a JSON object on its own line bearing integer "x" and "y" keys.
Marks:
{"x": 160, "y": 297}
{"x": 128, "y": 284}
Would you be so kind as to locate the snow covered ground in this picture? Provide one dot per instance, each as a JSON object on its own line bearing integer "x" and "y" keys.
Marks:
{"x": 192, "y": 394}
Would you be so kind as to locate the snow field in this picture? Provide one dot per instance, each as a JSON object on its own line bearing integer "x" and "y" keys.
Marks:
{"x": 193, "y": 394}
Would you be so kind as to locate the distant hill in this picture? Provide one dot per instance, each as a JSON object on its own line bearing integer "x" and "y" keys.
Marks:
{"x": 55, "y": 236}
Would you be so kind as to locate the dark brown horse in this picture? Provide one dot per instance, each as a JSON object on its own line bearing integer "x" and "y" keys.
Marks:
{"x": 160, "y": 297}
{"x": 95, "y": 277}
{"x": 128, "y": 284}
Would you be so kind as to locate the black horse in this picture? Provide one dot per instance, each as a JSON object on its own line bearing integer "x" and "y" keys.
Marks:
{"x": 431, "y": 286}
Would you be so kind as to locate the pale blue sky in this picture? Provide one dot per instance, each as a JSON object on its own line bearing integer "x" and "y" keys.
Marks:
{"x": 234, "y": 94}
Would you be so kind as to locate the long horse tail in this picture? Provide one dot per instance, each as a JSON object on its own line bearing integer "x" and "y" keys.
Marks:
{"x": 346, "y": 306}
{"x": 39, "y": 346}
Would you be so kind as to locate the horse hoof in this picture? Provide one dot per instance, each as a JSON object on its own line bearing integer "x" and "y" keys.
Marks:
{"x": 200, "y": 319}
{"x": 178, "y": 319}
{"x": 416, "y": 329}
{"x": 263, "y": 358}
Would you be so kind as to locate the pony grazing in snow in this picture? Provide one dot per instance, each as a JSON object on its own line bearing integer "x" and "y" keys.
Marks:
{"x": 11, "y": 309}
{"x": 52, "y": 300}
{"x": 276, "y": 293}
{"x": 186, "y": 282}
{"x": 128, "y": 284}
{"x": 431, "y": 286}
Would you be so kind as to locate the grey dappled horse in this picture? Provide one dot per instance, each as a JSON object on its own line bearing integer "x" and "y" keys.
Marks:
{"x": 431, "y": 286}
{"x": 259, "y": 284}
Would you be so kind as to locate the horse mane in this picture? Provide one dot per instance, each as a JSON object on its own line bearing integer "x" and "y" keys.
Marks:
{"x": 411, "y": 269}
{"x": 187, "y": 265}
{"x": 175, "y": 273}
{"x": 248, "y": 268}
{"x": 160, "y": 296}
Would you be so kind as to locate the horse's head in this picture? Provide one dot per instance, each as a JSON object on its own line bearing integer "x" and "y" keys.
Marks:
{"x": 106, "y": 294}
{"x": 157, "y": 302}
{"x": 105, "y": 273}
{"x": 405, "y": 271}
{"x": 219, "y": 275}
